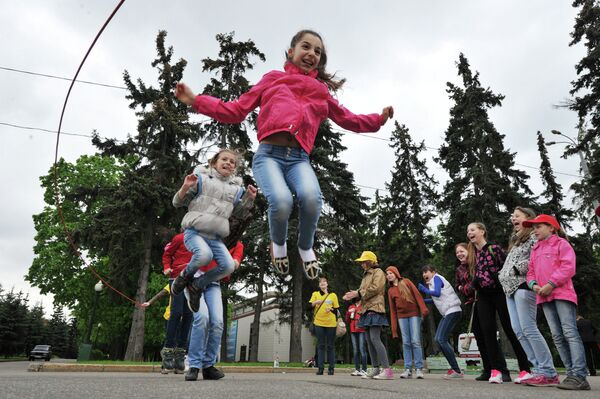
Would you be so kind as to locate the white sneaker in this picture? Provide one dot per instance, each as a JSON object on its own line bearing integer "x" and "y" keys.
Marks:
{"x": 355, "y": 373}
{"x": 419, "y": 374}
{"x": 406, "y": 374}
{"x": 386, "y": 374}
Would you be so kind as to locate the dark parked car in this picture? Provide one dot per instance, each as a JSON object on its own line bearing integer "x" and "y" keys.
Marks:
{"x": 41, "y": 352}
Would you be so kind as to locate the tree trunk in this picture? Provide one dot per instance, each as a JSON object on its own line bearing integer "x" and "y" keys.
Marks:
{"x": 296, "y": 327}
{"x": 255, "y": 329}
{"x": 225, "y": 294}
{"x": 135, "y": 344}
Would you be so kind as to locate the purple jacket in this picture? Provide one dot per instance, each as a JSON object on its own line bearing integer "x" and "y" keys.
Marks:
{"x": 553, "y": 260}
{"x": 489, "y": 261}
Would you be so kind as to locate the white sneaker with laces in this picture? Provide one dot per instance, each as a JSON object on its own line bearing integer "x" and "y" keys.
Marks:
{"x": 371, "y": 373}
{"x": 355, "y": 373}
{"x": 406, "y": 374}
{"x": 420, "y": 374}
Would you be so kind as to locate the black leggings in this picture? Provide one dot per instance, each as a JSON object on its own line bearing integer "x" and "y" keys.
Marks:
{"x": 477, "y": 331}
{"x": 488, "y": 304}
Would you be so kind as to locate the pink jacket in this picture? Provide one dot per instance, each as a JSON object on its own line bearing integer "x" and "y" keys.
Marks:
{"x": 289, "y": 101}
{"x": 553, "y": 260}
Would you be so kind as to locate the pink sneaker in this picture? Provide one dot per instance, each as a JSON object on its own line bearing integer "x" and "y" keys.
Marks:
{"x": 542, "y": 381}
{"x": 523, "y": 375}
{"x": 451, "y": 375}
{"x": 496, "y": 377}
{"x": 386, "y": 374}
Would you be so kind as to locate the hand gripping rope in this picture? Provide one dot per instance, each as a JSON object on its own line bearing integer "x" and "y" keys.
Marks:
{"x": 56, "y": 189}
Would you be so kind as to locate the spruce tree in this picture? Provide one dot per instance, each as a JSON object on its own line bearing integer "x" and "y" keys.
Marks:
{"x": 229, "y": 82}
{"x": 130, "y": 229}
{"x": 408, "y": 208}
{"x": 586, "y": 102}
{"x": 483, "y": 185}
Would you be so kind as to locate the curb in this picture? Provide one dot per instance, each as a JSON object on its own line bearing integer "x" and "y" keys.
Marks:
{"x": 115, "y": 368}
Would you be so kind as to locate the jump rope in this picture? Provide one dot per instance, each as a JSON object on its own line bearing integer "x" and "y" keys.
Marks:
{"x": 56, "y": 188}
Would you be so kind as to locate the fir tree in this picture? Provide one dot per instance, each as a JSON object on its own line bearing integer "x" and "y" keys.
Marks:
{"x": 586, "y": 102}
{"x": 129, "y": 229}
{"x": 483, "y": 184}
{"x": 406, "y": 238}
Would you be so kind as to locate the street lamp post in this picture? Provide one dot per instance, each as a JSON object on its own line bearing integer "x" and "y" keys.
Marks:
{"x": 86, "y": 347}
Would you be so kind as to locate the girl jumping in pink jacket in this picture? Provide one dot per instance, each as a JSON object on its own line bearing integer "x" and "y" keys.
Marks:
{"x": 551, "y": 269}
{"x": 293, "y": 103}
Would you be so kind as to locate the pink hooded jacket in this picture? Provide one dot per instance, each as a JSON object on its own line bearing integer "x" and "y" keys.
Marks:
{"x": 553, "y": 260}
{"x": 289, "y": 101}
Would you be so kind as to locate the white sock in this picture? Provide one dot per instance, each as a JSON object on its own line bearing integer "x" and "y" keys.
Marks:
{"x": 307, "y": 255}
{"x": 280, "y": 251}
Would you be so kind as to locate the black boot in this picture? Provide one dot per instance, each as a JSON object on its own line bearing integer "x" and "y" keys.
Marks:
{"x": 179, "y": 360}
{"x": 180, "y": 283}
{"x": 192, "y": 374}
{"x": 193, "y": 297}
{"x": 168, "y": 363}
{"x": 484, "y": 376}
{"x": 212, "y": 373}
{"x": 320, "y": 371}
{"x": 330, "y": 372}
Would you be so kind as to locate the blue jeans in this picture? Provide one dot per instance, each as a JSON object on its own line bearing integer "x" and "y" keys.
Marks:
{"x": 522, "y": 310}
{"x": 207, "y": 330}
{"x": 441, "y": 337}
{"x": 359, "y": 348}
{"x": 411, "y": 341}
{"x": 280, "y": 173}
{"x": 325, "y": 342}
{"x": 179, "y": 323}
{"x": 203, "y": 251}
{"x": 561, "y": 316}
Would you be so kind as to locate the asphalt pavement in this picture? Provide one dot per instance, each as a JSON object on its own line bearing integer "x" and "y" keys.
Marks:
{"x": 17, "y": 383}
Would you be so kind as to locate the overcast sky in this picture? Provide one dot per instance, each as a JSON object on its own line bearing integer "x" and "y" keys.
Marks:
{"x": 392, "y": 52}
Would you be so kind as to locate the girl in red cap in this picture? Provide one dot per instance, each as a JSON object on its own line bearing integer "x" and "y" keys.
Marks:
{"x": 551, "y": 269}
{"x": 407, "y": 309}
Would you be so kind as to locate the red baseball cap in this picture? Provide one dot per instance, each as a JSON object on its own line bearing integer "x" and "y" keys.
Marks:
{"x": 598, "y": 211}
{"x": 542, "y": 219}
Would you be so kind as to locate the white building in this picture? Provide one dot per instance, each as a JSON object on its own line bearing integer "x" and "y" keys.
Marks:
{"x": 274, "y": 336}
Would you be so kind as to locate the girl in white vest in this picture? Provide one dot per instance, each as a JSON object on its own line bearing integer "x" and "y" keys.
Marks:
{"x": 448, "y": 304}
{"x": 210, "y": 195}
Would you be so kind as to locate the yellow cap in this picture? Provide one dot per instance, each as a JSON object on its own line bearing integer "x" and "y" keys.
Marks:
{"x": 367, "y": 255}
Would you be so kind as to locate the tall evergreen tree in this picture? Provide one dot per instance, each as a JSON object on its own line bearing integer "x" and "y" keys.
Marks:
{"x": 128, "y": 230}
{"x": 58, "y": 332}
{"x": 586, "y": 102}
{"x": 483, "y": 183}
{"x": 553, "y": 190}
{"x": 406, "y": 238}
{"x": 229, "y": 68}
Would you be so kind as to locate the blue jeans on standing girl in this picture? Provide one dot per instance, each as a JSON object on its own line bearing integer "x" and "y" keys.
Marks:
{"x": 522, "y": 309}
{"x": 207, "y": 330}
{"x": 562, "y": 319}
{"x": 411, "y": 341}
{"x": 281, "y": 173}
{"x": 359, "y": 348}
{"x": 441, "y": 337}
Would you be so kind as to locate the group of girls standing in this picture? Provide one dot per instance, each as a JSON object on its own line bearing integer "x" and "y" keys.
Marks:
{"x": 537, "y": 270}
